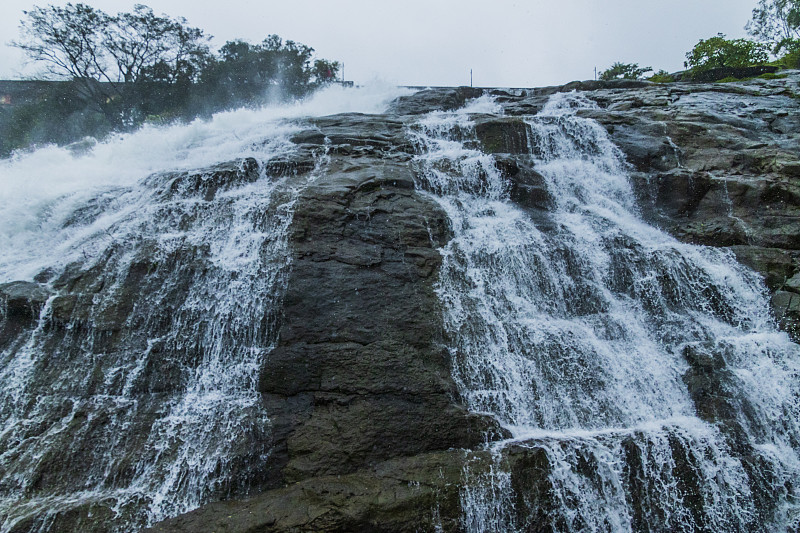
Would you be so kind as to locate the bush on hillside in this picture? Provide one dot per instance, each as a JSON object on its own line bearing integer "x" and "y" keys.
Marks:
{"x": 719, "y": 52}
{"x": 624, "y": 71}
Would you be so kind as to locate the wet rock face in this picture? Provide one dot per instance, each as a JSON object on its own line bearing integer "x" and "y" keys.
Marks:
{"x": 361, "y": 401}
{"x": 361, "y": 337}
{"x": 439, "y": 99}
{"x": 21, "y": 303}
{"x": 366, "y": 431}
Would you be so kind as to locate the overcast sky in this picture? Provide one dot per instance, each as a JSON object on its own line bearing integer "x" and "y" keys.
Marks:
{"x": 436, "y": 42}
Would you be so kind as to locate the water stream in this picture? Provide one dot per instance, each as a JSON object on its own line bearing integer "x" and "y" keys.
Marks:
{"x": 649, "y": 373}
{"x": 589, "y": 334}
{"x": 134, "y": 398}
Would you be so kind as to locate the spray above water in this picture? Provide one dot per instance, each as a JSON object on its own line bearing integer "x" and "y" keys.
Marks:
{"x": 590, "y": 336}
{"x": 40, "y": 190}
{"x": 163, "y": 257}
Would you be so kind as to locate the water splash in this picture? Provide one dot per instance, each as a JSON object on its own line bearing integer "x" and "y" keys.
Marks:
{"x": 134, "y": 396}
{"x": 589, "y": 334}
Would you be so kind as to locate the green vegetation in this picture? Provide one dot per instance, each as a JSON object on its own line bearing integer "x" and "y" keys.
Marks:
{"x": 662, "y": 76}
{"x": 719, "y": 52}
{"x": 624, "y": 71}
{"x": 777, "y": 23}
{"x": 791, "y": 57}
{"x": 772, "y": 76}
{"x": 775, "y": 27}
{"x": 125, "y": 69}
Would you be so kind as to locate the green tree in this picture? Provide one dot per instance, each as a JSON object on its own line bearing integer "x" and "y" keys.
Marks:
{"x": 625, "y": 71}
{"x": 776, "y": 23}
{"x": 325, "y": 71}
{"x": 68, "y": 40}
{"x": 250, "y": 74}
{"x": 86, "y": 44}
{"x": 137, "y": 65}
{"x": 719, "y": 52}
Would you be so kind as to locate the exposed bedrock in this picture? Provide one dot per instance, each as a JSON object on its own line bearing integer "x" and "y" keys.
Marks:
{"x": 361, "y": 338}
{"x": 366, "y": 429}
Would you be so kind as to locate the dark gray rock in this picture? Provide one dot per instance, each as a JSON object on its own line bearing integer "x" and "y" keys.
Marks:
{"x": 502, "y": 135}
{"x": 787, "y": 312}
{"x": 410, "y": 494}
{"x": 377, "y": 372}
{"x": 22, "y": 300}
{"x": 21, "y": 304}
{"x": 438, "y": 99}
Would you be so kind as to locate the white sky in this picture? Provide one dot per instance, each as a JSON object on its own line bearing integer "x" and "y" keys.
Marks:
{"x": 435, "y": 42}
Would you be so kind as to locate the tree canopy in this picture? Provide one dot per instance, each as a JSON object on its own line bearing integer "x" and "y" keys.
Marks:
{"x": 79, "y": 41}
{"x": 719, "y": 52}
{"x": 626, "y": 71}
{"x": 135, "y": 65}
{"x": 776, "y": 23}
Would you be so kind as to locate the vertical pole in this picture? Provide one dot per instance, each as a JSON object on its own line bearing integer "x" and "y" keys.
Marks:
{"x": 470, "y": 77}
{"x": 342, "y": 72}
{"x": 595, "y": 73}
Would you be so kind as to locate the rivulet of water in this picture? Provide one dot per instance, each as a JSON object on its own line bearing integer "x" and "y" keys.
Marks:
{"x": 133, "y": 398}
{"x": 591, "y": 336}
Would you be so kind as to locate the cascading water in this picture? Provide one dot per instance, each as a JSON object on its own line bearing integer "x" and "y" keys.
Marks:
{"x": 146, "y": 405}
{"x": 592, "y": 337}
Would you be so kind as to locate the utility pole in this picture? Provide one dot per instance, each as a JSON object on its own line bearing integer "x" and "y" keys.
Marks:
{"x": 470, "y": 77}
{"x": 595, "y": 73}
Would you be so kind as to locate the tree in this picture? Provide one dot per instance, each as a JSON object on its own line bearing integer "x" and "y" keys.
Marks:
{"x": 68, "y": 40}
{"x": 325, "y": 71}
{"x": 137, "y": 65}
{"x": 719, "y": 52}
{"x": 251, "y": 74}
{"x": 140, "y": 41}
{"x": 776, "y": 23}
{"x": 626, "y": 71}
{"x": 83, "y": 43}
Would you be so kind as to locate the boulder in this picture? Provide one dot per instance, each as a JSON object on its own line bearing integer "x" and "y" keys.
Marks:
{"x": 437, "y": 99}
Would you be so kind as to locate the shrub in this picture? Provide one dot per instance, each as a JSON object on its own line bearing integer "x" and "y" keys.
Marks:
{"x": 791, "y": 59}
{"x": 624, "y": 71}
{"x": 662, "y": 76}
{"x": 719, "y": 52}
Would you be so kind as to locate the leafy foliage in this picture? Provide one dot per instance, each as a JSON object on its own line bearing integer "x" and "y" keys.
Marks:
{"x": 325, "y": 71}
{"x": 133, "y": 66}
{"x": 776, "y": 23}
{"x": 249, "y": 74}
{"x": 626, "y": 71}
{"x": 791, "y": 59}
{"x": 59, "y": 116}
{"x": 83, "y": 43}
{"x": 662, "y": 76}
{"x": 719, "y": 52}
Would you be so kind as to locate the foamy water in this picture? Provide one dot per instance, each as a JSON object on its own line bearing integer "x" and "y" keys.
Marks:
{"x": 573, "y": 335}
{"x": 40, "y": 190}
{"x": 170, "y": 405}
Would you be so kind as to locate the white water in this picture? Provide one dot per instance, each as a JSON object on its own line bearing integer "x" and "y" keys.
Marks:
{"x": 40, "y": 190}
{"x": 153, "y": 424}
{"x": 573, "y": 333}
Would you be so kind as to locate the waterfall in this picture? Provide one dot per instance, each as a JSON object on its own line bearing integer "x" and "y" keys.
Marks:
{"x": 648, "y": 371}
{"x": 164, "y": 258}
